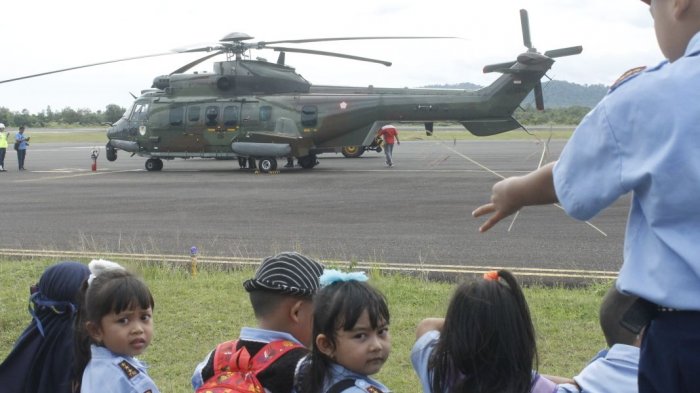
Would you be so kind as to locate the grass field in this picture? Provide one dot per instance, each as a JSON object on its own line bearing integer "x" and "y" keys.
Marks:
{"x": 193, "y": 314}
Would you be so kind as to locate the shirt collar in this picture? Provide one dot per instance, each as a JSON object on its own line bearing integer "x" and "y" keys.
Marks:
{"x": 263, "y": 335}
{"x": 693, "y": 46}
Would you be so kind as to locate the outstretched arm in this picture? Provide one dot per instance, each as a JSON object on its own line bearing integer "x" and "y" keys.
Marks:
{"x": 513, "y": 193}
{"x": 429, "y": 324}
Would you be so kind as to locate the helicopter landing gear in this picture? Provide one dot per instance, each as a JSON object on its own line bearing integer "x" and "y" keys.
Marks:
{"x": 242, "y": 162}
{"x": 308, "y": 162}
{"x": 267, "y": 164}
{"x": 154, "y": 164}
{"x": 352, "y": 151}
{"x": 111, "y": 153}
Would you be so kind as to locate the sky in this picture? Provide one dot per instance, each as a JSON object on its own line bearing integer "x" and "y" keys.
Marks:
{"x": 44, "y": 35}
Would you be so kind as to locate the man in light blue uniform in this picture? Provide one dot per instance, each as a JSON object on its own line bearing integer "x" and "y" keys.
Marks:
{"x": 642, "y": 138}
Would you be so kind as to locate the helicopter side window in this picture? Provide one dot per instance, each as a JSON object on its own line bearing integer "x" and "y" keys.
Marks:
{"x": 212, "y": 114}
{"x": 309, "y": 116}
{"x": 193, "y": 114}
{"x": 177, "y": 115}
{"x": 265, "y": 113}
{"x": 231, "y": 116}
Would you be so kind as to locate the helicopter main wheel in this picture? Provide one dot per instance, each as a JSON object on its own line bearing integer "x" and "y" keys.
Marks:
{"x": 267, "y": 164}
{"x": 111, "y": 153}
{"x": 154, "y": 164}
{"x": 242, "y": 162}
{"x": 352, "y": 151}
{"x": 308, "y": 162}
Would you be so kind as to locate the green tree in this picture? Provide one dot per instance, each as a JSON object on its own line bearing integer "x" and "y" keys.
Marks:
{"x": 113, "y": 113}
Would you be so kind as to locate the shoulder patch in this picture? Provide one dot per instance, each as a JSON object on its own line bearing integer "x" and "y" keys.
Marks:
{"x": 372, "y": 389}
{"x": 129, "y": 370}
{"x": 629, "y": 74}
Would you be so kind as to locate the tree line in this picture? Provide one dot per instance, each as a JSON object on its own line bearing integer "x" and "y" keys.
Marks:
{"x": 65, "y": 117}
{"x": 85, "y": 117}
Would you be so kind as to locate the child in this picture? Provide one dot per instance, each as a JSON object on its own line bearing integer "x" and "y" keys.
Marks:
{"x": 42, "y": 359}
{"x": 280, "y": 294}
{"x": 114, "y": 325}
{"x": 614, "y": 369}
{"x": 641, "y": 138}
{"x": 351, "y": 337}
{"x": 485, "y": 343}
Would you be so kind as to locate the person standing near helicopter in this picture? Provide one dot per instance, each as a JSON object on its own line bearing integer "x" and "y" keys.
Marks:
{"x": 390, "y": 135}
{"x": 22, "y": 142}
{"x": 3, "y": 146}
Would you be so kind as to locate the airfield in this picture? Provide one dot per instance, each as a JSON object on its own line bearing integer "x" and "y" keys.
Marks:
{"x": 414, "y": 217}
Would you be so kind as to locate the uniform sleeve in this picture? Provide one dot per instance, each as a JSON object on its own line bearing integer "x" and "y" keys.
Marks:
{"x": 567, "y": 388}
{"x": 420, "y": 355}
{"x": 203, "y": 371}
{"x": 587, "y": 176}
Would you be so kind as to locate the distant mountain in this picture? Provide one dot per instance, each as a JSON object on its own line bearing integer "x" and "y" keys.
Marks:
{"x": 557, "y": 94}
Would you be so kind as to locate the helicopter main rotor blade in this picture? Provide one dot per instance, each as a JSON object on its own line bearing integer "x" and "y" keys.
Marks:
{"x": 331, "y": 54}
{"x": 302, "y": 41}
{"x": 86, "y": 66}
{"x": 194, "y": 63}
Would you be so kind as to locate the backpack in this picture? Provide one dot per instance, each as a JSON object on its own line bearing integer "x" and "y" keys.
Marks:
{"x": 236, "y": 371}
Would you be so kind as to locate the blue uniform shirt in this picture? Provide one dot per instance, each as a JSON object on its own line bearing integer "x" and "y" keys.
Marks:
{"x": 611, "y": 371}
{"x": 644, "y": 138}
{"x": 22, "y": 141}
{"x": 108, "y": 372}
{"x": 363, "y": 383}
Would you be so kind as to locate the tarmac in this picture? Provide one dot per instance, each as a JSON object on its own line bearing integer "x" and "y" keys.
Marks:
{"x": 414, "y": 217}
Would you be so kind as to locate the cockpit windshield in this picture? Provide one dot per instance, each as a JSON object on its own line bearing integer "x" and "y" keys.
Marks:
{"x": 139, "y": 111}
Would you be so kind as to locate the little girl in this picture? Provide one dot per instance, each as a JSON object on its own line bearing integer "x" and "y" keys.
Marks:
{"x": 351, "y": 337}
{"x": 485, "y": 343}
{"x": 113, "y": 326}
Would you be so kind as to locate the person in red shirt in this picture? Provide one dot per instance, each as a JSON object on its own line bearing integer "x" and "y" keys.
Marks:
{"x": 390, "y": 135}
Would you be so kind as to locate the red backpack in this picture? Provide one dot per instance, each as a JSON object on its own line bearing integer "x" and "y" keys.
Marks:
{"x": 236, "y": 371}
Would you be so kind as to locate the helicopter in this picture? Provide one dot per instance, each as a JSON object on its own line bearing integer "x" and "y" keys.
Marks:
{"x": 257, "y": 111}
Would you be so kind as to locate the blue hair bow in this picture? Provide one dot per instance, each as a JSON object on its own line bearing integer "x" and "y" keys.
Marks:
{"x": 330, "y": 276}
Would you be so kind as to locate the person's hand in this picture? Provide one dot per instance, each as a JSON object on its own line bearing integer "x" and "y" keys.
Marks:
{"x": 503, "y": 204}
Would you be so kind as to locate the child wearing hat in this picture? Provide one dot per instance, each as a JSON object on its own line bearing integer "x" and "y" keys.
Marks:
{"x": 641, "y": 139}
{"x": 281, "y": 295}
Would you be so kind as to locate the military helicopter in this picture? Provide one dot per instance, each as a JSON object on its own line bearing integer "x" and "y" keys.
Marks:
{"x": 258, "y": 112}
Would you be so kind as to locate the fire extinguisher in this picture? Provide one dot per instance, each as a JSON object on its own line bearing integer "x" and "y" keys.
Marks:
{"x": 95, "y": 153}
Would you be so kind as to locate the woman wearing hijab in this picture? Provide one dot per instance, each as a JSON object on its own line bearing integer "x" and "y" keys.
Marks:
{"x": 42, "y": 358}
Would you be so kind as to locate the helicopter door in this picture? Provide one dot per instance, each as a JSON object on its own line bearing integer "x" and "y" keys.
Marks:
{"x": 250, "y": 116}
{"x": 138, "y": 118}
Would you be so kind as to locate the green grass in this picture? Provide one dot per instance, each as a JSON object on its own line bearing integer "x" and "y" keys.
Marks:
{"x": 67, "y": 137}
{"x": 193, "y": 314}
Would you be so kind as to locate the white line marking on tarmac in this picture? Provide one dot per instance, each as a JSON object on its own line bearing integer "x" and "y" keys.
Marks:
{"x": 73, "y": 175}
{"x": 503, "y": 177}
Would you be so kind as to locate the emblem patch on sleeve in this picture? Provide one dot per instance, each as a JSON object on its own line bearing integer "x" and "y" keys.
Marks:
{"x": 372, "y": 389}
{"x": 128, "y": 369}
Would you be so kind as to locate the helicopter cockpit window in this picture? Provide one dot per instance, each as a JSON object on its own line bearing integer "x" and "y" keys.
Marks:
{"x": 212, "y": 114}
{"x": 309, "y": 116}
{"x": 265, "y": 113}
{"x": 140, "y": 111}
{"x": 231, "y": 116}
{"x": 177, "y": 114}
{"x": 193, "y": 114}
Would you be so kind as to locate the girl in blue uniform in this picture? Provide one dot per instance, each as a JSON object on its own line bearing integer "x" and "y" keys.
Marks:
{"x": 114, "y": 325}
{"x": 351, "y": 337}
{"x": 485, "y": 343}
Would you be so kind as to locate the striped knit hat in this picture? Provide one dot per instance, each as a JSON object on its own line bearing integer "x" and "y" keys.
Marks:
{"x": 288, "y": 273}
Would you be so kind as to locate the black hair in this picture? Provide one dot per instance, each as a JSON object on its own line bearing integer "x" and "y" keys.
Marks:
{"x": 487, "y": 343}
{"x": 112, "y": 291}
{"x": 266, "y": 302}
{"x": 339, "y": 306}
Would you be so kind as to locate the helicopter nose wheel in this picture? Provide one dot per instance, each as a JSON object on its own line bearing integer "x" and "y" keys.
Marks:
{"x": 111, "y": 153}
{"x": 308, "y": 162}
{"x": 267, "y": 164}
{"x": 154, "y": 164}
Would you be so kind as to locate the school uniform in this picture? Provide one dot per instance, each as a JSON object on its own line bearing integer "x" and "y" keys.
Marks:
{"x": 423, "y": 348}
{"x": 362, "y": 383}
{"x": 612, "y": 370}
{"x": 108, "y": 372}
{"x": 643, "y": 138}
